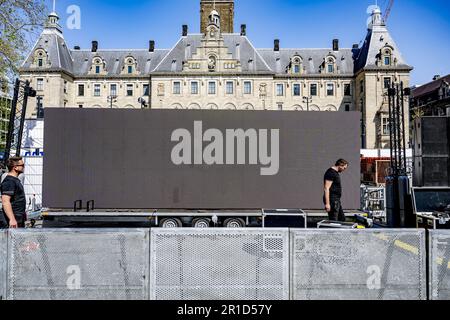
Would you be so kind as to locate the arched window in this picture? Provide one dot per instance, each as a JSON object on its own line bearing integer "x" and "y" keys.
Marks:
{"x": 98, "y": 66}
{"x": 194, "y": 106}
{"x": 40, "y": 58}
{"x": 331, "y": 108}
{"x": 314, "y": 108}
{"x": 248, "y": 106}
{"x": 386, "y": 56}
{"x": 212, "y": 106}
{"x": 330, "y": 64}
{"x": 230, "y": 106}
{"x": 129, "y": 66}
{"x": 177, "y": 106}
{"x": 297, "y": 108}
{"x": 296, "y": 65}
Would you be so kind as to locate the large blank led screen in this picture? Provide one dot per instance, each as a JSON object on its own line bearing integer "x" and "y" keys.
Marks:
{"x": 172, "y": 159}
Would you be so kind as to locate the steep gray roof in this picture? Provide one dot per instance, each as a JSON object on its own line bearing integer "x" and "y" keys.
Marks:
{"x": 313, "y": 59}
{"x": 255, "y": 61}
{"x": 57, "y": 52}
{"x": 251, "y": 61}
{"x": 115, "y": 60}
{"x": 377, "y": 38}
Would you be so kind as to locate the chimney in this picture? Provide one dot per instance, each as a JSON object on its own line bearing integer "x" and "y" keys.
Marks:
{"x": 276, "y": 45}
{"x": 436, "y": 77}
{"x": 243, "y": 30}
{"x": 335, "y": 44}
{"x": 94, "y": 46}
{"x": 76, "y": 48}
{"x": 355, "y": 46}
{"x": 151, "y": 46}
{"x": 185, "y": 30}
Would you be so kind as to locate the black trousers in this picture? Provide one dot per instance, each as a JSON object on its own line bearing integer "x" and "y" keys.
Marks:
{"x": 336, "y": 213}
{"x": 4, "y": 222}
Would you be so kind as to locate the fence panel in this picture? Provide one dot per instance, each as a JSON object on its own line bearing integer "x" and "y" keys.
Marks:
{"x": 358, "y": 265}
{"x": 439, "y": 264}
{"x": 78, "y": 264}
{"x": 3, "y": 261}
{"x": 219, "y": 264}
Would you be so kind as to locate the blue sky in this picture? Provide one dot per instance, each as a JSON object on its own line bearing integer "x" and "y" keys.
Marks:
{"x": 420, "y": 28}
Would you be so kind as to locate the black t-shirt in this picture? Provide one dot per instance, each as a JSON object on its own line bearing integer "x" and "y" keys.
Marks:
{"x": 12, "y": 186}
{"x": 336, "y": 188}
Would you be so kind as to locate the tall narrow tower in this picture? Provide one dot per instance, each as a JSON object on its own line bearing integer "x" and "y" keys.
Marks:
{"x": 225, "y": 9}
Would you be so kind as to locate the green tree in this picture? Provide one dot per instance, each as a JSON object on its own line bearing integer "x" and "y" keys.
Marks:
{"x": 20, "y": 21}
{"x": 5, "y": 107}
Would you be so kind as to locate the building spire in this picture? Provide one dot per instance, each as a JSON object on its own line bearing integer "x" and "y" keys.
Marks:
{"x": 53, "y": 19}
{"x": 376, "y": 17}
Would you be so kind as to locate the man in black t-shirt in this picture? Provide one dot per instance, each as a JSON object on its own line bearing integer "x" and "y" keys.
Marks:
{"x": 333, "y": 191}
{"x": 13, "y": 196}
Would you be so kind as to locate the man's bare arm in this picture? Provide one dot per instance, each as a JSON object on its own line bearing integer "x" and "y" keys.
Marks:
{"x": 7, "y": 207}
{"x": 327, "y": 188}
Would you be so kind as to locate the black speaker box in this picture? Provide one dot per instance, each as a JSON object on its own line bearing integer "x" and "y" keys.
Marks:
{"x": 432, "y": 152}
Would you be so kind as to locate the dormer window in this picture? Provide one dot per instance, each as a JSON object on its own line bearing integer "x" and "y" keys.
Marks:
{"x": 330, "y": 65}
{"x": 296, "y": 63}
{"x": 98, "y": 65}
{"x": 387, "y": 61}
{"x": 386, "y": 56}
{"x": 40, "y": 58}
{"x": 129, "y": 66}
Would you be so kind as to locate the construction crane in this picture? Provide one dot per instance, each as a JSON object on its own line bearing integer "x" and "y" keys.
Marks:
{"x": 388, "y": 11}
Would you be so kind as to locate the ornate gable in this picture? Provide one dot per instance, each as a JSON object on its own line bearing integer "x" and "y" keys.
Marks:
{"x": 212, "y": 55}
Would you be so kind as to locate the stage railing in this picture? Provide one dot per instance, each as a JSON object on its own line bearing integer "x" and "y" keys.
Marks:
{"x": 358, "y": 265}
{"x": 220, "y": 264}
{"x": 214, "y": 264}
{"x": 3, "y": 263}
{"x": 439, "y": 260}
{"x": 78, "y": 264}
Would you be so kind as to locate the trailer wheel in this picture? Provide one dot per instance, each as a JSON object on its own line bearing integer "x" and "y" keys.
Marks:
{"x": 234, "y": 223}
{"x": 170, "y": 223}
{"x": 201, "y": 223}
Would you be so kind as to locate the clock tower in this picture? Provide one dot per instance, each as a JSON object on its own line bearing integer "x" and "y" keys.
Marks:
{"x": 225, "y": 8}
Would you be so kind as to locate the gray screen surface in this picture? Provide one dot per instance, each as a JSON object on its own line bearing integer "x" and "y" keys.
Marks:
{"x": 124, "y": 159}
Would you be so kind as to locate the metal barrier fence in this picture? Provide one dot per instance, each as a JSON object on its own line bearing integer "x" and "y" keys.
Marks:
{"x": 439, "y": 262}
{"x": 355, "y": 265}
{"x": 220, "y": 264}
{"x": 78, "y": 264}
{"x": 3, "y": 260}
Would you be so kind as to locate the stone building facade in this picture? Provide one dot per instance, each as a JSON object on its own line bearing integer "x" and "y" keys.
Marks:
{"x": 432, "y": 99}
{"x": 222, "y": 70}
